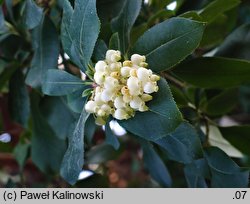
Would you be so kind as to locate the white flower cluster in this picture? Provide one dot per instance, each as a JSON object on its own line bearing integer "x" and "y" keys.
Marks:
{"x": 121, "y": 88}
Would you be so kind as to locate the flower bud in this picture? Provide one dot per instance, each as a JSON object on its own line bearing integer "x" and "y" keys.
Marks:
{"x": 155, "y": 77}
{"x": 133, "y": 73}
{"x": 109, "y": 53}
{"x": 143, "y": 108}
{"x": 116, "y": 66}
{"x": 106, "y": 108}
{"x": 119, "y": 103}
{"x": 127, "y": 98}
{"x": 101, "y": 66}
{"x": 98, "y": 98}
{"x": 150, "y": 87}
{"x": 146, "y": 97}
{"x": 127, "y": 63}
{"x": 91, "y": 107}
{"x": 110, "y": 83}
{"x": 99, "y": 77}
{"x": 136, "y": 103}
{"x": 120, "y": 114}
{"x": 137, "y": 59}
{"x": 143, "y": 64}
{"x": 133, "y": 86}
{"x": 116, "y": 57}
{"x": 143, "y": 74}
{"x": 125, "y": 71}
{"x": 107, "y": 95}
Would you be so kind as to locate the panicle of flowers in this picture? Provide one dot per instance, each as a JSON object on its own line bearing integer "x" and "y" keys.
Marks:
{"x": 121, "y": 88}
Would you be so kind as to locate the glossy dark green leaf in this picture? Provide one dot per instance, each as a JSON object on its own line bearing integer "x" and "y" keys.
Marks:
{"x": 100, "y": 50}
{"x": 19, "y": 103}
{"x": 217, "y": 30}
{"x": 155, "y": 165}
{"x": 84, "y": 30}
{"x": 21, "y": 153}
{"x": 176, "y": 39}
{"x": 236, "y": 45}
{"x": 111, "y": 138}
{"x": 124, "y": 21}
{"x": 196, "y": 173}
{"x": 73, "y": 159}
{"x": 225, "y": 172}
{"x": 32, "y": 14}
{"x": 162, "y": 118}
{"x": 137, "y": 31}
{"x": 90, "y": 129}
{"x": 215, "y": 8}
{"x": 114, "y": 42}
{"x": 222, "y": 103}
{"x": 238, "y": 136}
{"x": 58, "y": 83}
{"x": 46, "y": 48}
{"x": 65, "y": 27}
{"x": 46, "y": 148}
{"x": 100, "y": 154}
{"x": 58, "y": 115}
{"x": 213, "y": 72}
{"x": 182, "y": 145}
{"x": 75, "y": 100}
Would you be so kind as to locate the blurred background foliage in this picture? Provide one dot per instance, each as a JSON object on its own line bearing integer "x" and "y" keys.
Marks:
{"x": 39, "y": 125}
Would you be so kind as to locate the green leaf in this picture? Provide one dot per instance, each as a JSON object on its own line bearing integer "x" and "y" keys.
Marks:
{"x": 90, "y": 129}
{"x": 73, "y": 159}
{"x": 100, "y": 154}
{"x": 239, "y": 136}
{"x": 46, "y": 47}
{"x": 84, "y": 30}
{"x": 58, "y": 115}
{"x": 162, "y": 118}
{"x": 182, "y": 145}
{"x": 58, "y": 83}
{"x": 216, "y": 31}
{"x": 19, "y": 103}
{"x": 176, "y": 39}
{"x": 111, "y": 138}
{"x": 196, "y": 173}
{"x": 225, "y": 172}
{"x": 100, "y": 50}
{"x": 75, "y": 100}
{"x": 65, "y": 27}
{"x": 46, "y": 148}
{"x": 236, "y": 45}
{"x": 213, "y": 72}
{"x": 217, "y": 106}
{"x": 114, "y": 42}
{"x": 21, "y": 153}
{"x": 137, "y": 31}
{"x": 155, "y": 165}
{"x": 210, "y": 12}
{"x": 32, "y": 14}
{"x": 124, "y": 22}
